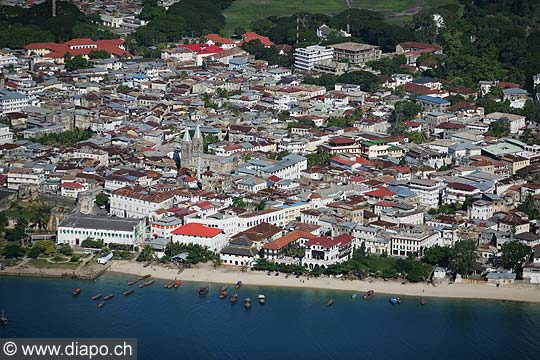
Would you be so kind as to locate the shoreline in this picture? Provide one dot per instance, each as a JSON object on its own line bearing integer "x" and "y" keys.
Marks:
{"x": 228, "y": 276}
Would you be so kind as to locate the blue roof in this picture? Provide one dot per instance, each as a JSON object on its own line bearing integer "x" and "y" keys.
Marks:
{"x": 433, "y": 99}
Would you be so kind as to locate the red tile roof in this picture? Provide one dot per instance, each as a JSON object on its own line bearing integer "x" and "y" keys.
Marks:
{"x": 287, "y": 239}
{"x": 381, "y": 192}
{"x": 215, "y": 38}
{"x": 249, "y": 36}
{"x": 60, "y": 50}
{"x": 72, "y": 185}
{"x": 196, "y": 229}
{"x": 202, "y": 49}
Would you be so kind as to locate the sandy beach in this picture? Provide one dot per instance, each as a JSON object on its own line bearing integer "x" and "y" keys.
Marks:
{"x": 228, "y": 275}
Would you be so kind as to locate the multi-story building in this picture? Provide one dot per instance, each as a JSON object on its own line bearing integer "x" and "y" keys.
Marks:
{"x": 427, "y": 191}
{"x": 76, "y": 228}
{"x": 355, "y": 53}
{"x": 198, "y": 234}
{"x": 306, "y": 58}
{"x": 12, "y": 101}
{"x": 413, "y": 241}
{"x": 24, "y": 176}
{"x": 6, "y": 136}
{"x": 138, "y": 203}
{"x": 324, "y": 251}
{"x": 459, "y": 192}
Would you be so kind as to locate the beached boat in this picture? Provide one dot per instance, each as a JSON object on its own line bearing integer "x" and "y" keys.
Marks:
{"x": 234, "y": 298}
{"x": 368, "y": 295}
{"x": 238, "y": 285}
{"x": 177, "y": 283}
{"x": 146, "y": 283}
{"x": 101, "y": 304}
{"x": 203, "y": 290}
{"x": 261, "y": 299}
{"x": 423, "y": 301}
{"x": 128, "y": 292}
{"x": 330, "y": 302}
{"x": 395, "y": 300}
{"x": 223, "y": 295}
{"x": 144, "y": 277}
{"x": 76, "y": 292}
{"x": 3, "y": 319}
{"x": 97, "y": 296}
{"x": 107, "y": 297}
{"x": 247, "y": 303}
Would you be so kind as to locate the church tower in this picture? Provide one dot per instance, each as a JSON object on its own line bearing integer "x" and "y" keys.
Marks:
{"x": 198, "y": 141}
{"x": 186, "y": 150}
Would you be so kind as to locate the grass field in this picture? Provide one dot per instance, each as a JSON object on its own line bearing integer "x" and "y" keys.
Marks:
{"x": 244, "y": 12}
{"x": 44, "y": 264}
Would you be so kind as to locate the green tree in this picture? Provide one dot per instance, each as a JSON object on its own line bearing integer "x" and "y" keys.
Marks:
{"x": 239, "y": 202}
{"x": 102, "y": 199}
{"x": 76, "y": 63}
{"x": 499, "y": 128}
{"x": 99, "y": 54}
{"x": 531, "y": 207}
{"x": 438, "y": 255}
{"x": 514, "y": 254}
{"x": 13, "y": 250}
{"x": 464, "y": 257}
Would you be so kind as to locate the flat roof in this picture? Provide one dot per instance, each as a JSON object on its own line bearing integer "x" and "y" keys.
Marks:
{"x": 352, "y": 46}
{"x": 99, "y": 222}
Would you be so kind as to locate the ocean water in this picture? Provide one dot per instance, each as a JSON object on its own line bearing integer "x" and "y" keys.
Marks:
{"x": 293, "y": 324}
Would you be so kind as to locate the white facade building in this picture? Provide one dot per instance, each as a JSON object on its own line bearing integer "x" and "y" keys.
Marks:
{"x": 306, "y": 58}
{"x": 74, "y": 229}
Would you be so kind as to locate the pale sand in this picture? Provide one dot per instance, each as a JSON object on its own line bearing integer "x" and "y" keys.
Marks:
{"x": 230, "y": 275}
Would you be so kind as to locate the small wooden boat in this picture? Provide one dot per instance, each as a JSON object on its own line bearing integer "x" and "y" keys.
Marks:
{"x": 330, "y": 302}
{"x": 76, "y": 292}
{"x": 203, "y": 290}
{"x": 146, "y": 283}
{"x": 101, "y": 304}
{"x": 143, "y": 277}
{"x": 234, "y": 298}
{"x": 133, "y": 282}
{"x": 95, "y": 297}
{"x": 223, "y": 295}
{"x": 107, "y": 297}
{"x": 238, "y": 285}
{"x": 177, "y": 283}
{"x": 261, "y": 299}
{"x": 128, "y": 292}
{"x": 368, "y": 295}
{"x": 423, "y": 301}
{"x": 224, "y": 288}
{"x": 169, "y": 285}
{"x": 3, "y": 319}
{"x": 247, "y": 303}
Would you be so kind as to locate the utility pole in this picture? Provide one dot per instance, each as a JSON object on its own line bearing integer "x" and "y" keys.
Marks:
{"x": 53, "y": 8}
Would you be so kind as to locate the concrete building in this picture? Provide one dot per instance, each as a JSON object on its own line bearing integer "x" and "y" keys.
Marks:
{"x": 355, "y": 53}
{"x": 306, "y": 58}
{"x": 198, "y": 234}
{"x": 76, "y": 228}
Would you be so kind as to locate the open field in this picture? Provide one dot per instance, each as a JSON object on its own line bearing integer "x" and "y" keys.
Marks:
{"x": 45, "y": 264}
{"x": 244, "y": 12}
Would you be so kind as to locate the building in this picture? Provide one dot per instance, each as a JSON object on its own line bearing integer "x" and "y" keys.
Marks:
{"x": 432, "y": 103}
{"x": 276, "y": 250}
{"x": 413, "y": 241}
{"x": 164, "y": 227}
{"x": 324, "y": 251}
{"x": 427, "y": 191}
{"x": 355, "y": 53}
{"x": 76, "y": 228}
{"x": 17, "y": 177}
{"x": 138, "y": 202}
{"x": 198, "y": 234}
{"x": 6, "y": 136}
{"x": 51, "y": 51}
{"x": 190, "y": 149}
{"x": 306, "y": 58}
{"x": 12, "y": 101}
{"x": 531, "y": 270}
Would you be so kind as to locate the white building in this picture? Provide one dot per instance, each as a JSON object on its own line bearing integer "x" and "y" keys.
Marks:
{"x": 481, "y": 210}
{"x": 427, "y": 191}
{"x": 95, "y": 154}
{"x": 6, "y": 136}
{"x": 193, "y": 233}
{"x": 24, "y": 176}
{"x": 129, "y": 203}
{"x": 76, "y": 228}
{"x": 324, "y": 251}
{"x": 72, "y": 189}
{"x": 164, "y": 227}
{"x": 306, "y": 58}
{"x": 413, "y": 242}
{"x": 11, "y": 101}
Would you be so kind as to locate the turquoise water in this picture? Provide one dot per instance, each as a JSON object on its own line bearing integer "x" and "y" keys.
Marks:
{"x": 293, "y": 324}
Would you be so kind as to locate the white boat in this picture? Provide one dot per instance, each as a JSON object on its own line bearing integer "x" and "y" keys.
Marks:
{"x": 261, "y": 298}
